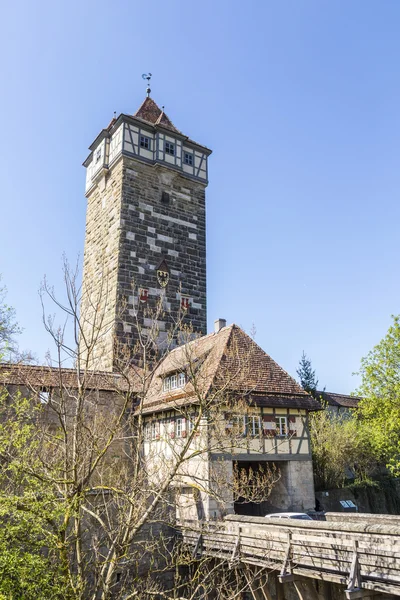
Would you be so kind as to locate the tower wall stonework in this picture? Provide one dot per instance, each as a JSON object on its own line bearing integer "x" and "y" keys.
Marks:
{"x": 162, "y": 219}
{"x": 138, "y": 216}
{"x": 100, "y": 269}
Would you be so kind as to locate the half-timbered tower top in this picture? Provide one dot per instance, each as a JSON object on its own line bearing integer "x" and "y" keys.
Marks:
{"x": 145, "y": 243}
{"x": 150, "y": 136}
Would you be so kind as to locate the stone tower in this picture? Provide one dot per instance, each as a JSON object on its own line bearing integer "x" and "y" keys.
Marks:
{"x": 145, "y": 231}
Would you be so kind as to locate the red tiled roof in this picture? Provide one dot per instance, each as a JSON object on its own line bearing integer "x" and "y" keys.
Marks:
{"x": 339, "y": 400}
{"x": 149, "y": 111}
{"x": 227, "y": 361}
{"x": 34, "y": 376}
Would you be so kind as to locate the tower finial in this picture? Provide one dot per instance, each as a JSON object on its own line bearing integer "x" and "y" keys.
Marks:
{"x": 147, "y": 76}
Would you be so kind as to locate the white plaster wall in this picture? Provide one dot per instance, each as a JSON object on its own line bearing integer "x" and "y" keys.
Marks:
{"x": 115, "y": 144}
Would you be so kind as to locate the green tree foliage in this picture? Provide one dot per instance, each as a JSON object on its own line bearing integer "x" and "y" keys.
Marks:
{"x": 341, "y": 447}
{"x": 27, "y": 572}
{"x": 30, "y": 568}
{"x": 380, "y": 390}
{"x": 306, "y": 374}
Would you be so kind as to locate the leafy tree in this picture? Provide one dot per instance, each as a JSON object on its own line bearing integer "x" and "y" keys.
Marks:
{"x": 27, "y": 571}
{"x": 340, "y": 446}
{"x": 380, "y": 390}
{"x": 306, "y": 374}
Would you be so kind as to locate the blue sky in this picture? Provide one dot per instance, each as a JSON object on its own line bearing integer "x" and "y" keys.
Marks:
{"x": 299, "y": 101}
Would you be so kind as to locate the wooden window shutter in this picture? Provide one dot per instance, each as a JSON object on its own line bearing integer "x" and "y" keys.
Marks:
{"x": 269, "y": 431}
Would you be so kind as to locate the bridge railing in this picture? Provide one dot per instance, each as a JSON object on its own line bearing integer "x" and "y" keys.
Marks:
{"x": 359, "y": 556}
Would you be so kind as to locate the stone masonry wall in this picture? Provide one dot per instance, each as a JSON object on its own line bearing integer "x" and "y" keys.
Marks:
{"x": 138, "y": 216}
{"x": 157, "y": 227}
{"x": 100, "y": 268}
{"x": 295, "y": 489}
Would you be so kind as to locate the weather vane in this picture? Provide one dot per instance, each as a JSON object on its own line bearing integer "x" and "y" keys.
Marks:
{"x": 147, "y": 76}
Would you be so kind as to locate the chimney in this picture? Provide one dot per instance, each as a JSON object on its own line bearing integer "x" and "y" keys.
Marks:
{"x": 219, "y": 324}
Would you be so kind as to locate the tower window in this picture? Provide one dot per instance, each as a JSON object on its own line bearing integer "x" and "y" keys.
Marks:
{"x": 188, "y": 159}
{"x": 170, "y": 148}
{"x": 98, "y": 155}
{"x": 145, "y": 142}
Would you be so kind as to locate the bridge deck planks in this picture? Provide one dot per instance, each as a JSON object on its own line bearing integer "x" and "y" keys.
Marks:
{"x": 317, "y": 550}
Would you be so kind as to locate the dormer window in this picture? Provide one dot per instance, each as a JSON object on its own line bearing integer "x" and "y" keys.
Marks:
{"x": 170, "y": 148}
{"x": 98, "y": 155}
{"x": 188, "y": 159}
{"x": 145, "y": 142}
{"x": 174, "y": 382}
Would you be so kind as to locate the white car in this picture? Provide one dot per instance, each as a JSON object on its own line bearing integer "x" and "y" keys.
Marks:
{"x": 289, "y": 515}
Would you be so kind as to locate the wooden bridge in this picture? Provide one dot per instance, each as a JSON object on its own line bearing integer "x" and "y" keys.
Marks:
{"x": 362, "y": 558}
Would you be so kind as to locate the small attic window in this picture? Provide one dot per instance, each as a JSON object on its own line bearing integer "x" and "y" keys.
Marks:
{"x": 170, "y": 148}
{"x": 174, "y": 382}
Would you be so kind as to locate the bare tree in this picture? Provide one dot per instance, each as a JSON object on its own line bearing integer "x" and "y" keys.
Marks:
{"x": 105, "y": 459}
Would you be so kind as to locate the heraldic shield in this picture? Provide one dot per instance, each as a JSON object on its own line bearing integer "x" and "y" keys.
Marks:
{"x": 163, "y": 274}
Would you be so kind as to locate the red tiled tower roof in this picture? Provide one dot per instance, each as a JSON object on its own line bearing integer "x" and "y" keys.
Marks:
{"x": 149, "y": 111}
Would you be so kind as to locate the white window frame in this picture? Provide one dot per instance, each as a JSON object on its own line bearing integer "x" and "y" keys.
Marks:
{"x": 178, "y": 427}
{"x": 254, "y": 425}
{"x": 281, "y": 425}
{"x": 174, "y": 382}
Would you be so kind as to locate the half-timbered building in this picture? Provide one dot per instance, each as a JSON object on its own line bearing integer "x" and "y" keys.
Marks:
{"x": 249, "y": 413}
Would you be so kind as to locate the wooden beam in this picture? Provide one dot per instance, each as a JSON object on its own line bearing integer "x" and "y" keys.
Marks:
{"x": 287, "y": 563}
{"x": 280, "y": 594}
{"x": 354, "y": 581}
{"x": 235, "y": 557}
{"x": 198, "y": 549}
{"x": 359, "y": 594}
